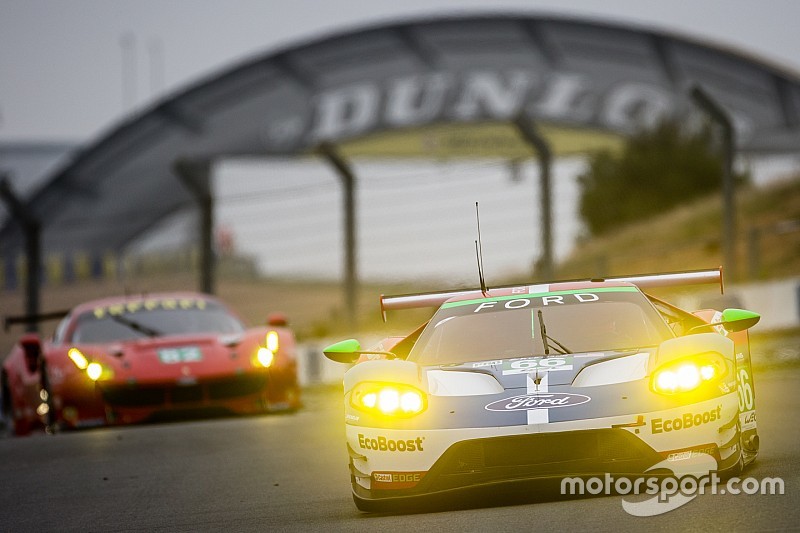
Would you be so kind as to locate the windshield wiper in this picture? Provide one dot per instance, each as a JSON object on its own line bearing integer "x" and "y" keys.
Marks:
{"x": 141, "y": 328}
{"x": 560, "y": 348}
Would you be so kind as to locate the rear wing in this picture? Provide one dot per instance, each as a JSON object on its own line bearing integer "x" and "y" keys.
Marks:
{"x": 643, "y": 281}
{"x": 32, "y": 319}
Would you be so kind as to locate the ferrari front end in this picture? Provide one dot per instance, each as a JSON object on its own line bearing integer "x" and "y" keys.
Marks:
{"x": 182, "y": 376}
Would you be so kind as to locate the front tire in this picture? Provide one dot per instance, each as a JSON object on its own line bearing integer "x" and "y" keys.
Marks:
{"x": 6, "y": 420}
{"x": 12, "y": 426}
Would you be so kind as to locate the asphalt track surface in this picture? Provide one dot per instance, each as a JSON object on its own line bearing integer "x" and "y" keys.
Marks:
{"x": 289, "y": 473}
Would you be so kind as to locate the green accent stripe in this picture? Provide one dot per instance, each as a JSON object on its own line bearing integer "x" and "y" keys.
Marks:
{"x": 538, "y": 295}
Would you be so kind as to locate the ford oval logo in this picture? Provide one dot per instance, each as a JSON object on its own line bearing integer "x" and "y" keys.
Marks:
{"x": 546, "y": 400}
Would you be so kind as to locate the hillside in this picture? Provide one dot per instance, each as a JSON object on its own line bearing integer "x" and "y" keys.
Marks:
{"x": 767, "y": 245}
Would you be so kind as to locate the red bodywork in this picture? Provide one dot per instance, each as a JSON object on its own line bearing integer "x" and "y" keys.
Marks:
{"x": 43, "y": 387}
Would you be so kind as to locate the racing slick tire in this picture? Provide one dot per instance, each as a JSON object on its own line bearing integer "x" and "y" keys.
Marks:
{"x": 3, "y": 407}
{"x": 7, "y": 424}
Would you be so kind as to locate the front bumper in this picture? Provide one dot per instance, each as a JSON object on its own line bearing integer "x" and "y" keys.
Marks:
{"x": 102, "y": 403}
{"x": 521, "y": 457}
{"x": 392, "y": 464}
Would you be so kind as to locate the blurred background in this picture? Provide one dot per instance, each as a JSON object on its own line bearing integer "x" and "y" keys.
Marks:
{"x": 425, "y": 108}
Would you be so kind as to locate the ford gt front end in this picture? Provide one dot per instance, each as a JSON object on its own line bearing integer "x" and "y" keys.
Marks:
{"x": 542, "y": 381}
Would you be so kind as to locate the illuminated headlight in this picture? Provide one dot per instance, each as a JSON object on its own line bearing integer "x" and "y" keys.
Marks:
{"x": 272, "y": 341}
{"x": 78, "y": 358}
{"x": 93, "y": 370}
{"x": 388, "y": 399}
{"x": 264, "y": 357}
{"x": 687, "y": 374}
{"x": 96, "y": 371}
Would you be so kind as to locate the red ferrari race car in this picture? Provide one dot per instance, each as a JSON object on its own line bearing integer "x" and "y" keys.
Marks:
{"x": 128, "y": 359}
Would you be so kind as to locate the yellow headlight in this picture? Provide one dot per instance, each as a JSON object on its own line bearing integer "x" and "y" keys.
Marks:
{"x": 369, "y": 400}
{"x": 272, "y": 341}
{"x": 687, "y": 374}
{"x": 388, "y": 399}
{"x": 708, "y": 372}
{"x": 411, "y": 402}
{"x": 265, "y": 356}
{"x": 78, "y": 358}
{"x": 94, "y": 371}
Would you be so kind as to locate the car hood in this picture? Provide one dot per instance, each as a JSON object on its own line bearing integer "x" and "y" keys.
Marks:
{"x": 626, "y": 365}
{"x": 178, "y": 357}
{"x": 500, "y": 392}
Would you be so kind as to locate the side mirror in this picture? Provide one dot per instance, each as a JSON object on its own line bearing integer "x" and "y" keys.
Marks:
{"x": 32, "y": 348}
{"x": 350, "y": 350}
{"x": 277, "y": 320}
{"x": 343, "y": 351}
{"x": 739, "y": 319}
{"x": 733, "y": 320}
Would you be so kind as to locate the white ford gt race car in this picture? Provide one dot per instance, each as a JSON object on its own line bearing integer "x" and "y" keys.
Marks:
{"x": 575, "y": 378}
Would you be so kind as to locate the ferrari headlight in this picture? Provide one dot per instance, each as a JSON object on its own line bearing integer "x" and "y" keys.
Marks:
{"x": 96, "y": 371}
{"x": 390, "y": 399}
{"x": 93, "y": 369}
{"x": 272, "y": 341}
{"x": 264, "y": 357}
{"x": 687, "y": 374}
{"x": 78, "y": 358}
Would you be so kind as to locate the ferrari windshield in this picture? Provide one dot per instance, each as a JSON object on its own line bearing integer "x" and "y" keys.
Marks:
{"x": 592, "y": 320}
{"x": 154, "y": 318}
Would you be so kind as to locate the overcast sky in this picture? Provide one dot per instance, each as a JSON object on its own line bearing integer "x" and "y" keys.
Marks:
{"x": 61, "y": 79}
{"x": 61, "y": 74}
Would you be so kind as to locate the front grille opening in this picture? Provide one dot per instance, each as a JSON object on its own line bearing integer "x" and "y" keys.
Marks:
{"x": 541, "y": 449}
{"x": 539, "y": 455}
{"x": 178, "y": 395}
{"x": 138, "y": 397}
{"x": 239, "y": 386}
{"x": 191, "y": 394}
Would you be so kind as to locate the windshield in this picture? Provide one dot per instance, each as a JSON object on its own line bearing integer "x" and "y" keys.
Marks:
{"x": 592, "y": 320}
{"x": 153, "y": 318}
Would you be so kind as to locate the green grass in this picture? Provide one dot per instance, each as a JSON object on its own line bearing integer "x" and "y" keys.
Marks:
{"x": 767, "y": 242}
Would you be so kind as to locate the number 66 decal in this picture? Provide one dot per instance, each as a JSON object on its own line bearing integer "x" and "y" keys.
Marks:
{"x": 745, "y": 390}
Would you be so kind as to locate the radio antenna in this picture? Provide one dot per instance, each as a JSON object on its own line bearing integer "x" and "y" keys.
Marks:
{"x": 479, "y": 252}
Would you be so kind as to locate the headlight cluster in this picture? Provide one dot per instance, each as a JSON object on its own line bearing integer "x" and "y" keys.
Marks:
{"x": 265, "y": 355}
{"x": 93, "y": 369}
{"x": 391, "y": 399}
{"x": 688, "y": 374}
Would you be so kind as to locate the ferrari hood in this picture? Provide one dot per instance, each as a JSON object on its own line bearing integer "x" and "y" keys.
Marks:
{"x": 171, "y": 358}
